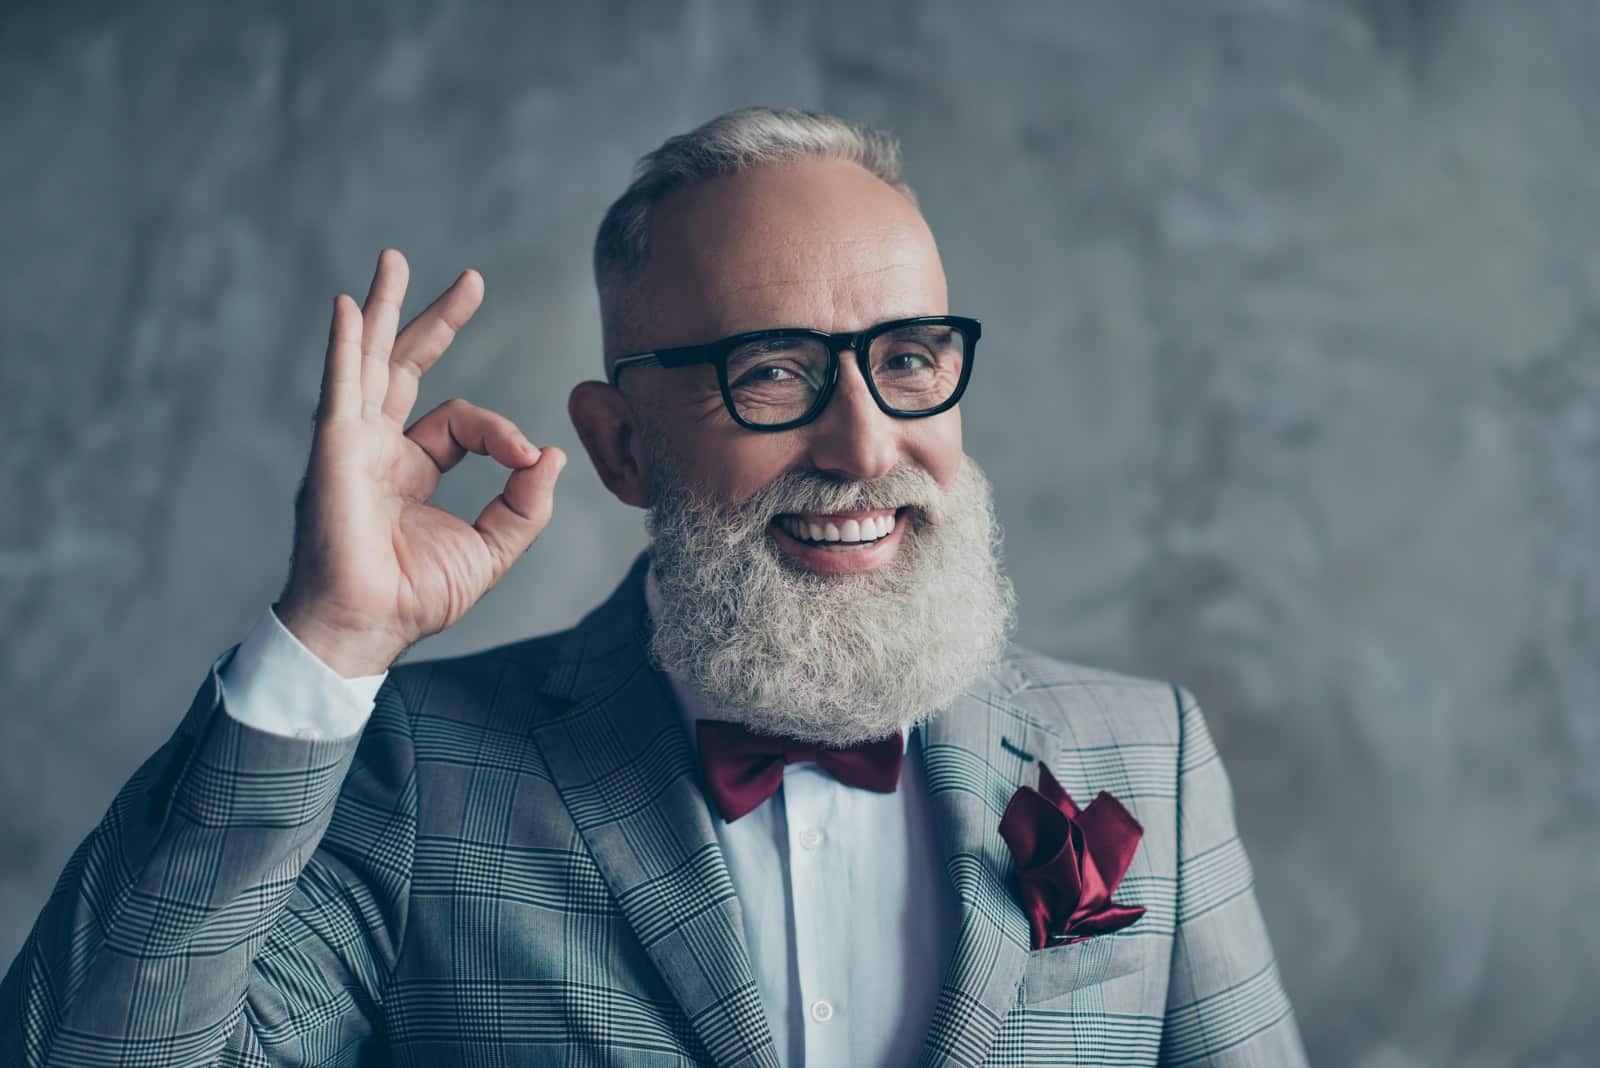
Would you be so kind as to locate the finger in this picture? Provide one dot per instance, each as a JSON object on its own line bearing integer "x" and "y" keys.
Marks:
{"x": 341, "y": 370}
{"x": 510, "y": 523}
{"x": 458, "y": 427}
{"x": 379, "y": 316}
{"x": 425, "y": 338}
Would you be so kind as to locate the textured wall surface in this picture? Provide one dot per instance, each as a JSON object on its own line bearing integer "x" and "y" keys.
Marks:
{"x": 1291, "y": 393}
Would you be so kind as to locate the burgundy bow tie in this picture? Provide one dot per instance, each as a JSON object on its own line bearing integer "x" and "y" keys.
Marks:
{"x": 743, "y": 768}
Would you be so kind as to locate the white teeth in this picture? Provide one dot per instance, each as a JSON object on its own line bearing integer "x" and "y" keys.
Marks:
{"x": 849, "y": 530}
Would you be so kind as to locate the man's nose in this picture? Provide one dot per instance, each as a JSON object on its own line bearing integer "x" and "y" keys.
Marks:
{"x": 853, "y": 437}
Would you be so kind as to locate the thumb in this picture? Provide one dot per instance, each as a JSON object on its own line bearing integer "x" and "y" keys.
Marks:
{"x": 510, "y": 523}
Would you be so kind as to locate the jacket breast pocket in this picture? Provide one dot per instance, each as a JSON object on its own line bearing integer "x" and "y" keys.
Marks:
{"x": 1130, "y": 971}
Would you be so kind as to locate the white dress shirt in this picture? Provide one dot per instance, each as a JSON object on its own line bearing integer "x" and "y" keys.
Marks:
{"x": 848, "y": 914}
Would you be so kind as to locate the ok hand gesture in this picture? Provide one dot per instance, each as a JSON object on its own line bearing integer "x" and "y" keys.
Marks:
{"x": 375, "y": 566}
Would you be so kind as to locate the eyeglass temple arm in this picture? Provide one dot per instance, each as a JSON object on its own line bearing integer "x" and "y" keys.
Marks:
{"x": 643, "y": 359}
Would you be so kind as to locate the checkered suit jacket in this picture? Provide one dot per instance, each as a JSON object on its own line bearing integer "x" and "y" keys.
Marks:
{"x": 514, "y": 864}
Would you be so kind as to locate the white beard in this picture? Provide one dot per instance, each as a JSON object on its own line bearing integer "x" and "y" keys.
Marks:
{"x": 830, "y": 659}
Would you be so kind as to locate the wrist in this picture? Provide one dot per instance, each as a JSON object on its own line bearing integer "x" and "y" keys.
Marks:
{"x": 349, "y": 651}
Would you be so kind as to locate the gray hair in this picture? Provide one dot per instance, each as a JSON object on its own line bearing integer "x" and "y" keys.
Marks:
{"x": 732, "y": 142}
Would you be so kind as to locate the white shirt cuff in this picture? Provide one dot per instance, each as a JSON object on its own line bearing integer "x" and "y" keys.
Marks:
{"x": 275, "y": 684}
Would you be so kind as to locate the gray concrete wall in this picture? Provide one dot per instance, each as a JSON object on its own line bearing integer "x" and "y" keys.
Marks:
{"x": 1289, "y": 387}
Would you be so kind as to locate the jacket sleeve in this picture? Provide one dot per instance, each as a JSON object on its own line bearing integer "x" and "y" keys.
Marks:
{"x": 241, "y": 903}
{"x": 1226, "y": 1006}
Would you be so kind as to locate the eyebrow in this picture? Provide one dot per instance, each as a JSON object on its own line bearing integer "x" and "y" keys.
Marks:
{"x": 769, "y": 344}
{"x": 927, "y": 330}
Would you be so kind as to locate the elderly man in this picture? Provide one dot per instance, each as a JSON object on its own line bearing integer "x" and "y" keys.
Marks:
{"x": 789, "y": 796}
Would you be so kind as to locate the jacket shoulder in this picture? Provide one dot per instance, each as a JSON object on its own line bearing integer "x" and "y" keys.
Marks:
{"x": 480, "y": 686}
{"x": 1091, "y": 704}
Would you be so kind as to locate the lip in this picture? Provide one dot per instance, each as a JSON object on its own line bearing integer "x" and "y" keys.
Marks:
{"x": 841, "y": 561}
{"x": 839, "y": 517}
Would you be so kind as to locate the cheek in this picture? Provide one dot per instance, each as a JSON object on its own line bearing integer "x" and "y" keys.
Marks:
{"x": 935, "y": 445}
{"x": 734, "y": 463}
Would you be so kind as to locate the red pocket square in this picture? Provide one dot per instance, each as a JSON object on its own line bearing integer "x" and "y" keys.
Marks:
{"x": 1070, "y": 860}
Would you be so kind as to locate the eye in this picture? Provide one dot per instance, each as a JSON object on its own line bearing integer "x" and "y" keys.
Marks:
{"x": 907, "y": 361}
{"x": 766, "y": 373}
{"x": 780, "y": 363}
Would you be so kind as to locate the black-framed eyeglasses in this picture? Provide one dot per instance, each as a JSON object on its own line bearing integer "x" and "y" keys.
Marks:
{"x": 780, "y": 379}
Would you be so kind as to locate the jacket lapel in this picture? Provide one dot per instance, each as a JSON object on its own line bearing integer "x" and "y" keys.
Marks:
{"x": 976, "y": 753}
{"x": 620, "y": 759}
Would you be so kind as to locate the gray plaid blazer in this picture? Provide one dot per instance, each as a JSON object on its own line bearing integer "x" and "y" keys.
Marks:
{"x": 514, "y": 864}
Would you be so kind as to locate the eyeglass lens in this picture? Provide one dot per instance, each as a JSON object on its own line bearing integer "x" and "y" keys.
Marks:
{"x": 914, "y": 368}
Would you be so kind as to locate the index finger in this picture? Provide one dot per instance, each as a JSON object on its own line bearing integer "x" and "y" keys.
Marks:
{"x": 425, "y": 338}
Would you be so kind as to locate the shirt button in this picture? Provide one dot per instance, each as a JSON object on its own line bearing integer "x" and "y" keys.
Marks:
{"x": 810, "y": 838}
{"x": 821, "y": 1011}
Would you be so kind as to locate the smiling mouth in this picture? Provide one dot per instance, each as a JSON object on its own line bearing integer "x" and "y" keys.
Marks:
{"x": 840, "y": 529}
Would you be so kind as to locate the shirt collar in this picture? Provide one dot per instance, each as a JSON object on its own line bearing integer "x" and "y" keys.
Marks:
{"x": 693, "y": 705}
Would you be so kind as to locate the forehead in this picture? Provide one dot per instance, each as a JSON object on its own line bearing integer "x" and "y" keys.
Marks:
{"x": 818, "y": 243}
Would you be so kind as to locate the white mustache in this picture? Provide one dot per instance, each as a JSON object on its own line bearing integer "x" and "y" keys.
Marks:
{"x": 809, "y": 491}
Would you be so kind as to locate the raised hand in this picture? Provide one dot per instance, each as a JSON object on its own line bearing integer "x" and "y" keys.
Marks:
{"x": 375, "y": 566}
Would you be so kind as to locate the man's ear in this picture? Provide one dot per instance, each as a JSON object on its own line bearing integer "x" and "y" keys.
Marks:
{"x": 606, "y": 426}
